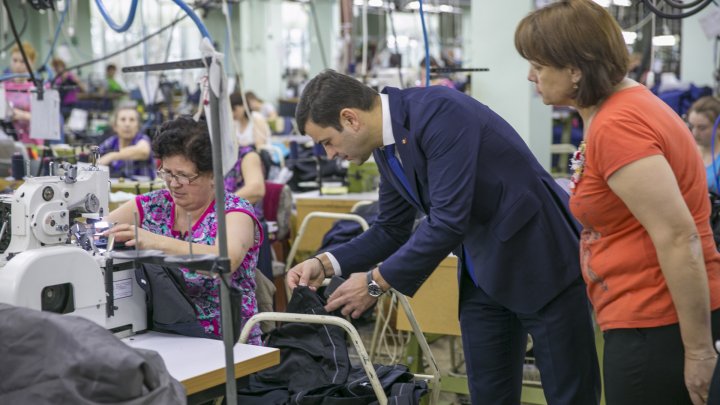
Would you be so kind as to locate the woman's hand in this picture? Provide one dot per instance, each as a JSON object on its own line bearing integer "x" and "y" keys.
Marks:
{"x": 126, "y": 233}
{"x": 106, "y": 159}
{"x": 698, "y": 373}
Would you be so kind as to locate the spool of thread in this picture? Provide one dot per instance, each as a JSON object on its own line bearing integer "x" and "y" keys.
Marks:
{"x": 17, "y": 166}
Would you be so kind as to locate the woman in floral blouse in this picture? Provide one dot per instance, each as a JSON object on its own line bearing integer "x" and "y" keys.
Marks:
{"x": 186, "y": 209}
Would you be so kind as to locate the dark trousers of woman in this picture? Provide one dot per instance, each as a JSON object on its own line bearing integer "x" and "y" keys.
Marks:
{"x": 646, "y": 365}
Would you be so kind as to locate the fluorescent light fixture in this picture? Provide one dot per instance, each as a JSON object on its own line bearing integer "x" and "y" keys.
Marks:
{"x": 371, "y": 3}
{"x": 664, "y": 40}
{"x": 604, "y": 3}
{"x": 430, "y": 8}
{"x": 630, "y": 37}
{"x": 622, "y": 3}
{"x": 402, "y": 41}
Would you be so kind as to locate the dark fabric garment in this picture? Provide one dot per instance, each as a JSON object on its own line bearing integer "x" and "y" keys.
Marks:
{"x": 344, "y": 230}
{"x": 49, "y": 358}
{"x": 681, "y": 100}
{"x": 638, "y": 358}
{"x": 315, "y": 369}
{"x": 170, "y": 309}
{"x": 396, "y": 381}
{"x": 311, "y": 355}
{"x": 264, "y": 262}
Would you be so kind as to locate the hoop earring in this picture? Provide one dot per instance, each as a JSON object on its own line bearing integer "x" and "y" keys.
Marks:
{"x": 575, "y": 86}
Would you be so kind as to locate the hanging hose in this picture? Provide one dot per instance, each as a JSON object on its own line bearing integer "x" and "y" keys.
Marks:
{"x": 38, "y": 84}
{"x": 109, "y": 20}
{"x": 698, "y": 4}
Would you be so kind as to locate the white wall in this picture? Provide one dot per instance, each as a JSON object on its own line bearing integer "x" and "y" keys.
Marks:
{"x": 696, "y": 61}
{"x": 505, "y": 88}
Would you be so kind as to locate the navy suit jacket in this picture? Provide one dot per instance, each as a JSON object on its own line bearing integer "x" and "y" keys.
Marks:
{"x": 481, "y": 188}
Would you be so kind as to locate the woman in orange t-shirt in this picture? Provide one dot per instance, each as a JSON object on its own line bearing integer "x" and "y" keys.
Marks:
{"x": 647, "y": 250}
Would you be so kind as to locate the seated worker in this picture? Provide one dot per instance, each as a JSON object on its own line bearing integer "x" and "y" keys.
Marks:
{"x": 113, "y": 86}
{"x": 186, "y": 209}
{"x": 128, "y": 153}
{"x": 701, "y": 119}
{"x": 246, "y": 179}
{"x": 250, "y": 126}
{"x": 256, "y": 104}
{"x": 17, "y": 92}
{"x": 68, "y": 86}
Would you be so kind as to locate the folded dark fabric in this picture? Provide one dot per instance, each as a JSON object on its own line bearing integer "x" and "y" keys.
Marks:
{"x": 49, "y": 358}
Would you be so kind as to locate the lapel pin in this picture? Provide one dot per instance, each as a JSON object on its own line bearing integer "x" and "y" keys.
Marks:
{"x": 404, "y": 141}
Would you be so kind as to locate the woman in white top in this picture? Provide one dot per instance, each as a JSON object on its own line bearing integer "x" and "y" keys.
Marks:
{"x": 250, "y": 126}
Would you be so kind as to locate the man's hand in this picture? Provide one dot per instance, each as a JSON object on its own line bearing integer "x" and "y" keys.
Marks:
{"x": 308, "y": 273}
{"x": 352, "y": 296}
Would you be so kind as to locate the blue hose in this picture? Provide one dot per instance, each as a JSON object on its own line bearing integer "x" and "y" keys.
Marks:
{"x": 118, "y": 28}
{"x": 195, "y": 18}
{"x": 57, "y": 34}
{"x": 131, "y": 17}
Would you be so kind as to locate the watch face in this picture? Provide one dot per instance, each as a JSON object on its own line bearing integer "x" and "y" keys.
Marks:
{"x": 374, "y": 290}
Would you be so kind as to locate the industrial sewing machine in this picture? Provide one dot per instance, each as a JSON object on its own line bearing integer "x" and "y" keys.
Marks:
{"x": 52, "y": 263}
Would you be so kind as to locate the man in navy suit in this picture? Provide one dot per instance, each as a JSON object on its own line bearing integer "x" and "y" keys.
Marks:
{"x": 489, "y": 201}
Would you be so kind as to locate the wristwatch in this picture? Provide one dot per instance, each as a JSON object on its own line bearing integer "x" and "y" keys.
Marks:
{"x": 374, "y": 289}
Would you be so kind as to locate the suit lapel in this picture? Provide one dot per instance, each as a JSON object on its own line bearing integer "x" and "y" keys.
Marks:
{"x": 403, "y": 141}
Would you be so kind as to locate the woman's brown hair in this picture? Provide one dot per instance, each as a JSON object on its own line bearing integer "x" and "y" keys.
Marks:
{"x": 580, "y": 34}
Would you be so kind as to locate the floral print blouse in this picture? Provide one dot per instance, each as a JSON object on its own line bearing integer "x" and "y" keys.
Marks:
{"x": 157, "y": 215}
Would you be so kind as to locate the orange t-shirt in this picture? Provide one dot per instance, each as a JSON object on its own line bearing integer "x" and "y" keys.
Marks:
{"x": 618, "y": 258}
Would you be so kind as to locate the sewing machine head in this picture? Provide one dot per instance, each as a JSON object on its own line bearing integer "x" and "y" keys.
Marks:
{"x": 44, "y": 208}
{"x": 43, "y": 270}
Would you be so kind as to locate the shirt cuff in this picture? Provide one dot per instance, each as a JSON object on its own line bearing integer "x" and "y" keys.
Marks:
{"x": 335, "y": 264}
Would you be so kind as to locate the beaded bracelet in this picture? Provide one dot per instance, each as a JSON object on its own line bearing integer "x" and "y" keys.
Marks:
{"x": 714, "y": 356}
{"x": 321, "y": 265}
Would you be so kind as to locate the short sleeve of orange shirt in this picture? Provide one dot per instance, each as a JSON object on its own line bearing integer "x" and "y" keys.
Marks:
{"x": 618, "y": 258}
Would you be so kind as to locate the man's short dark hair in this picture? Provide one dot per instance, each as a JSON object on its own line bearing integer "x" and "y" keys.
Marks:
{"x": 185, "y": 137}
{"x": 327, "y": 94}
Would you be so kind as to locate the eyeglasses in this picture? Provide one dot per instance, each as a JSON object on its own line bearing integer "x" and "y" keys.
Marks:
{"x": 179, "y": 178}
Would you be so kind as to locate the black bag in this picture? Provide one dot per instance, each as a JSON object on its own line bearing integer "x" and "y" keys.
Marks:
{"x": 169, "y": 307}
